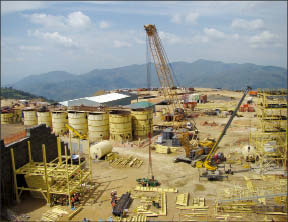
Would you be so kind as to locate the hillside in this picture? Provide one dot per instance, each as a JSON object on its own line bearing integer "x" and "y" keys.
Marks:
{"x": 60, "y": 85}
{"x": 10, "y": 93}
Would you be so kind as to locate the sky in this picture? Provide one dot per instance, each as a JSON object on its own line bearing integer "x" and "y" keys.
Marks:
{"x": 77, "y": 37}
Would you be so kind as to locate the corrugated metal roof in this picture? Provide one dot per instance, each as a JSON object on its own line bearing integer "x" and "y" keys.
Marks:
{"x": 98, "y": 99}
{"x": 107, "y": 97}
{"x": 140, "y": 105}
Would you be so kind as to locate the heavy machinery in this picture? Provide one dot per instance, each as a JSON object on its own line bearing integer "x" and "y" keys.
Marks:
{"x": 210, "y": 162}
{"x": 120, "y": 206}
{"x": 76, "y": 132}
{"x": 145, "y": 182}
{"x": 164, "y": 73}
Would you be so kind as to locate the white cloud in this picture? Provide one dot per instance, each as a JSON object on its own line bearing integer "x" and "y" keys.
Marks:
{"x": 177, "y": 19}
{"x": 19, "y": 6}
{"x": 54, "y": 37}
{"x": 78, "y": 20}
{"x": 47, "y": 20}
{"x": 104, "y": 24}
{"x": 264, "y": 39}
{"x": 248, "y": 25}
{"x": 191, "y": 17}
{"x": 169, "y": 37}
{"x": 74, "y": 20}
{"x": 120, "y": 44}
{"x": 30, "y": 48}
{"x": 213, "y": 33}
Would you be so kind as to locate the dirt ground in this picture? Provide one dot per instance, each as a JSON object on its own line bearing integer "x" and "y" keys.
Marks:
{"x": 172, "y": 175}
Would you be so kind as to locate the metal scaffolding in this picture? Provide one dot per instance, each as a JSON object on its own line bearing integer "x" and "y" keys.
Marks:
{"x": 270, "y": 139}
{"x": 60, "y": 176}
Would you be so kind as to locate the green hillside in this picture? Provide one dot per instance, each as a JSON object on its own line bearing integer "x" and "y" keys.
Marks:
{"x": 10, "y": 93}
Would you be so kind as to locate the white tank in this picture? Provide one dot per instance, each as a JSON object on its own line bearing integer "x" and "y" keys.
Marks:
{"x": 30, "y": 117}
{"x": 100, "y": 149}
{"x": 44, "y": 118}
{"x": 59, "y": 119}
{"x": 98, "y": 126}
{"x": 78, "y": 120}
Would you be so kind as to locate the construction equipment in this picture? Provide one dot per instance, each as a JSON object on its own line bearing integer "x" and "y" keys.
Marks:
{"x": 209, "y": 164}
{"x": 119, "y": 208}
{"x": 145, "y": 182}
{"x": 76, "y": 132}
{"x": 164, "y": 73}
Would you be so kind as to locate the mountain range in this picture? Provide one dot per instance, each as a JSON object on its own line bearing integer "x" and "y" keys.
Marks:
{"x": 61, "y": 85}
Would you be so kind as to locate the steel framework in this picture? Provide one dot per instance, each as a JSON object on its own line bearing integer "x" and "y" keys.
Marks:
{"x": 68, "y": 178}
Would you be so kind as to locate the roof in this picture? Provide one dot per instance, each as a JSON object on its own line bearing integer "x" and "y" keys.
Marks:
{"x": 107, "y": 97}
{"x": 97, "y": 99}
{"x": 140, "y": 105}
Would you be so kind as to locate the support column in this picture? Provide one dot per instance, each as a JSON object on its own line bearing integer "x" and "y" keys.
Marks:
{"x": 45, "y": 173}
{"x": 14, "y": 175}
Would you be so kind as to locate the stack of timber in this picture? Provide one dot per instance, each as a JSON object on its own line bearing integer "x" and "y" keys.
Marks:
{"x": 123, "y": 162}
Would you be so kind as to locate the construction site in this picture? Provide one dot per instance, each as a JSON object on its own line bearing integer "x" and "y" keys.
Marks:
{"x": 165, "y": 154}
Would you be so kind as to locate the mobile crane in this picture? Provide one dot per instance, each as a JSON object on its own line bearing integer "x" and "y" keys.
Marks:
{"x": 208, "y": 163}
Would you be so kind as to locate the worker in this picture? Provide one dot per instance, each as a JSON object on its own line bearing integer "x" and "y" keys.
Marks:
{"x": 77, "y": 198}
{"x": 85, "y": 219}
{"x": 72, "y": 201}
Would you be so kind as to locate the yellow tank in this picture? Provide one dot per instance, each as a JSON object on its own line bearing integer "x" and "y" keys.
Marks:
{"x": 59, "y": 119}
{"x": 6, "y": 118}
{"x": 78, "y": 120}
{"x": 120, "y": 125}
{"x": 142, "y": 123}
{"x": 30, "y": 117}
{"x": 44, "y": 118}
{"x": 98, "y": 126}
{"x": 17, "y": 116}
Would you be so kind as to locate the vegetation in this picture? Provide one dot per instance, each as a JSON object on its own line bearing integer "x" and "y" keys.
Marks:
{"x": 10, "y": 93}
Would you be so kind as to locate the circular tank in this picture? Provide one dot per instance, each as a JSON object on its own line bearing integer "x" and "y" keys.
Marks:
{"x": 142, "y": 123}
{"x": 30, "y": 117}
{"x": 6, "y": 118}
{"x": 59, "y": 119}
{"x": 78, "y": 120}
{"x": 44, "y": 118}
{"x": 98, "y": 126}
{"x": 120, "y": 125}
{"x": 100, "y": 149}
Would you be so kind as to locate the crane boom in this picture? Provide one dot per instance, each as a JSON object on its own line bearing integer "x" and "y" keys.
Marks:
{"x": 215, "y": 147}
{"x": 162, "y": 66}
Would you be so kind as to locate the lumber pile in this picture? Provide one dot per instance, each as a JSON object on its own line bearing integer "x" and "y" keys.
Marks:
{"x": 117, "y": 161}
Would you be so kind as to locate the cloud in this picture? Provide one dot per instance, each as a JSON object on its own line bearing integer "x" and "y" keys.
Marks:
{"x": 78, "y": 20}
{"x": 169, "y": 37}
{"x": 30, "y": 48}
{"x": 104, "y": 24}
{"x": 177, "y": 19}
{"x": 47, "y": 20}
{"x": 264, "y": 39}
{"x": 54, "y": 37}
{"x": 73, "y": 20}
{"x": 191, "y": 17}
{"x": 19, "y": 6}
{"x": 213, "y": 33}
{"x": 248, "y": 25}
{"x": 120, "y": 44}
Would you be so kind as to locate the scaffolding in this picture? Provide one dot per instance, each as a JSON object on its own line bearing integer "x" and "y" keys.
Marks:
{"x": 270, "y": 139}
{"x": 60, "y": 175}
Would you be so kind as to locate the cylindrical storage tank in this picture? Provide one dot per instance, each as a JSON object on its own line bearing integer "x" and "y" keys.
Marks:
{"x": 142, "y": 123}
{"x": 17, "y": 115}
{"x": 100, "y": 149}
{"x": 6, "y": 118}
{"x": 78, "y": 120}
{"x": 98, "y": 126}
{"x": 44, "y": 118}
{"x": 59, "y": 119}
{"x": 120, "y": 125}
{"x": 30, "y": 117}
